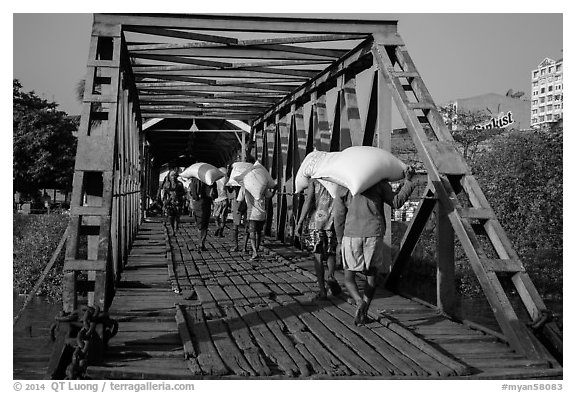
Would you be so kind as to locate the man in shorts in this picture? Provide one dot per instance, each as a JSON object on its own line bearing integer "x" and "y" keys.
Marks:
{"x": 360, "y": 226}
{"x": 238, "y": 209}
{"x": 256, "y": 214}
{"x": 220, "y": 210}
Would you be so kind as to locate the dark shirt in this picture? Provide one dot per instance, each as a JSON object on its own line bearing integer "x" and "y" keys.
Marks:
{"x": 363, "y": 214}
{"x": 201, "y": 191}
{"x": 173, "y": 195}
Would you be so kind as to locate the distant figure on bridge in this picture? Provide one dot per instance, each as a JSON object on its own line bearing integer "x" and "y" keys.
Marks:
{"x": 202, "y": 196}
{"x": 320, "y": 237}
{"x": 221, "y": 205}
{"x": 238, "y": 209}
{"x": 173, "y": 198}
{"x": 360, "y": 227}
{"x": 256, "y": 215}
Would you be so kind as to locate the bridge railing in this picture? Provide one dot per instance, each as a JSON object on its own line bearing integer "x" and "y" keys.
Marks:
{"x": 110, "y": 175}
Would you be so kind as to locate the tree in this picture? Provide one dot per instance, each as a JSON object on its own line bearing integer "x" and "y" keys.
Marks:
{"x": 521, "y": 175}
{"x": 466, "y": 129}
{"x": 44, "y": 148}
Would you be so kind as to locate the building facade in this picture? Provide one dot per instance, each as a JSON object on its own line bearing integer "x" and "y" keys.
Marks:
{"x": 547, "y": 99}
{"x": 511, "y": 111}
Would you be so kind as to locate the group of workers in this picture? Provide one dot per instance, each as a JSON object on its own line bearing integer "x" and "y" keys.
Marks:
{"x": 346, "y": 226}
{"x": 215, "y": 200}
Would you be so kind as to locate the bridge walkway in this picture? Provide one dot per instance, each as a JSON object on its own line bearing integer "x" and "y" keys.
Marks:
{"x": 185, "y": 314}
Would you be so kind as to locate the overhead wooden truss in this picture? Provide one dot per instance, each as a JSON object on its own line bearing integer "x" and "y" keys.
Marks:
{"x": 277, "y": 75}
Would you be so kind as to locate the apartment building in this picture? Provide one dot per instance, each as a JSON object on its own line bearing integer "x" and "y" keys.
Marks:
{"x": 546, "y": 101}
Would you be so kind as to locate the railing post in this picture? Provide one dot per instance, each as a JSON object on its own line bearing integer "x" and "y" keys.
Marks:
{"x": 445, "y": 284}
{"x": 384, "y": 135}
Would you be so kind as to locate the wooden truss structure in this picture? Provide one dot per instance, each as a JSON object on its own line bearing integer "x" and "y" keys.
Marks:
{"x": 277, "y": 74}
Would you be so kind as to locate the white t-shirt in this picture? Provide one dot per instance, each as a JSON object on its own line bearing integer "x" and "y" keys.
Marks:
{"x": 257, "y": 207}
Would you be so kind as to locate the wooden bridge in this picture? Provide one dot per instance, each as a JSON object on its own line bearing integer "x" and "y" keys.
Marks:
{"x": 285, "y": 77}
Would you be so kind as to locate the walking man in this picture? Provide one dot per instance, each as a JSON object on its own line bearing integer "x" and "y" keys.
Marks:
{"x": 173, "y": 198}
{"x": 202, "y": 195}
{"x": 321, "y": 237}
{"x": 360, "y": 227}
{"x": 256, "y": 214}
{"x": 220, "y": 207}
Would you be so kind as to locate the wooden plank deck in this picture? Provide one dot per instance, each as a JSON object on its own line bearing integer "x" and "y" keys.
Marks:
{"x": 186, "y": 314}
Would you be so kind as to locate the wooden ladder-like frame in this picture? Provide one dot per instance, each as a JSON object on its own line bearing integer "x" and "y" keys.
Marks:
{"x": 450, "y": 176}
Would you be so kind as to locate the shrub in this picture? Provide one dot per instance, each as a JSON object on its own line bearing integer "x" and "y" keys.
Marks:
{"x": 35, "y": 239}
{"x": 521, "y": 175}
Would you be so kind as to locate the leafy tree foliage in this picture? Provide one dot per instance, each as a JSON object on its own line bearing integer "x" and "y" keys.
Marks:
{"x": 521, "y": 175}
{"x": 44, "y": 147}
{"x": 462, "y": 125}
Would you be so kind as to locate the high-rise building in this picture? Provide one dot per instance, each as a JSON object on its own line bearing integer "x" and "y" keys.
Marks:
{"x": 546, "y": 101}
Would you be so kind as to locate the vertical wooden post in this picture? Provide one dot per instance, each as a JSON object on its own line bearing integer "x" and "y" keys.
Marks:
{"x": 384, "y": 135}
{"x": 282, "y": 146}
{"x": 445, "y": 285}
{"x": 322, "y": 122}
{"x": 243, "y": 154}
{"x": 351, "y": 114}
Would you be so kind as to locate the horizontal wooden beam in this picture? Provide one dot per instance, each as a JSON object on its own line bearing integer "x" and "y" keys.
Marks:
{"x": 205, "y": 103}
{"x": 212, "y": 107}
{"x": 203, "y": 98}
{"x": 180, "y": 34}
{"x": 179, "y": 87}
{"x": 209, "y": 116}
{"x": 155, "y": 78}
{"x": 302, "y": 39}
{"x": 139, "y": 65}
{"x": 179, "y": 59}
{"x": 276, "y": 52}
{"x": 213, "y": 73}
{"x": 250, "y": 23}
{"x": 193, "y": 131}
{"x": 141, "y": 46}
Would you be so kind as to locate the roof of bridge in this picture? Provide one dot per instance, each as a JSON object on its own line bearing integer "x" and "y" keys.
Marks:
{"x": 231, "y": 67}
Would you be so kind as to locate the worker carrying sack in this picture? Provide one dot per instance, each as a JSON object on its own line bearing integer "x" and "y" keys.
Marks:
{"x": 256, "y": 180}
{"x": 204, "y": 172}
{"x": 360, "y": 167}
{"x": 238, "y": 168}
{"x": 308, "y": 167}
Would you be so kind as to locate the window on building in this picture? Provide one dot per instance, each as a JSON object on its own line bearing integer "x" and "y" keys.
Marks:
{"x": 549, "y": 107}
{"x": 542, "y": 100}
{"x": 543, "y": 71}
{"x": 543, "y": 90}
{"x": 541, "y": 118}
{"x": 534, "y": 111}
{"x": 535, "y": 84}
{"x": 550, "y": 98}
{"x": 542, "y": 109}
{"x": 548, "y": 117}
{"x": 535, "y": 102}
{"x": 558, "y": 67}
{"x": 550, "y": 88}
{"x": 550, "y": 69}
{"x": 535, "y": 74}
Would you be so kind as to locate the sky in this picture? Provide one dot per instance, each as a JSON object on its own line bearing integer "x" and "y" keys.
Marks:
{"x": 458, "y": 55}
